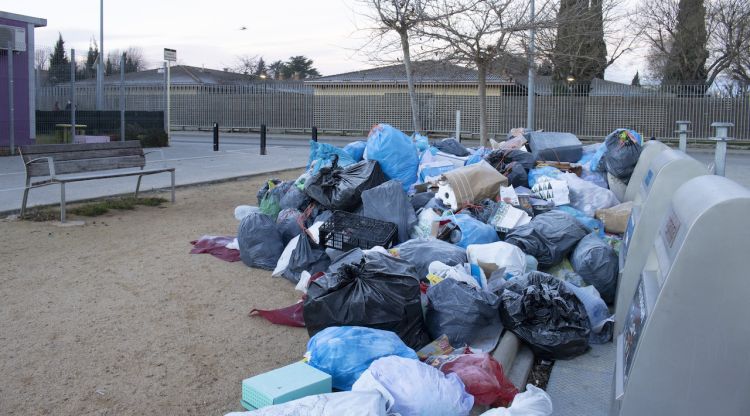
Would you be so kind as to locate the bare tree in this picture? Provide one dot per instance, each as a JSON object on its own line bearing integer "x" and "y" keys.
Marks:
{"x": 245, "y": 64}
{"x": 401, "y": 17}
{"x": 728, "y": 28}
{"x": 41, "y": 57}
{"x": 476, "y": 36}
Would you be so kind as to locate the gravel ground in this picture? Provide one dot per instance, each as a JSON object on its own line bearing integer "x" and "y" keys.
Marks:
{"x": 116, "y": 318}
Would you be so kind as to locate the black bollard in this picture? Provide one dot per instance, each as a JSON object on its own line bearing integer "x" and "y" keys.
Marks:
{"x": 314, "y": 134}
{"x": 262, "y": 139}
{"x": 216, "y": 137}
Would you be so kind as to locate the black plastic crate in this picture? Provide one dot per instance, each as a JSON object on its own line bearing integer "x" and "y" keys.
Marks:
{"x": 345, "y": 231}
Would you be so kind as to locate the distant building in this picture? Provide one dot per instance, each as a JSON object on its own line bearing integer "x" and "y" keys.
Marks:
{"x": 179, "y": 75}
{"x": 19, "y": 30}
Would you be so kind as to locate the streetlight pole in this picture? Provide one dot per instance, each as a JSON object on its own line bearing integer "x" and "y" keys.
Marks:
{"x": 100, "y": 66}
{"x": 530, "y": 84}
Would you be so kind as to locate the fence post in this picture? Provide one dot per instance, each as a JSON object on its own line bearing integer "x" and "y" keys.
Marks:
{"x": 72, "y": 95}
{"x": 262, "y": 139}
{"x": 315, "y": 134}
{"x": 216, "y": 137}
{"x": 682, "y": 131}
{"x": 11, "y": 108}
{"x": 458, "y": 125}
{"x": 122, "y": 97}
{"x": 721, "y": 138}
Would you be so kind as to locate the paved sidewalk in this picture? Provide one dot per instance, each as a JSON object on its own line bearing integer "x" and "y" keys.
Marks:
{"x": 191, "y": 153}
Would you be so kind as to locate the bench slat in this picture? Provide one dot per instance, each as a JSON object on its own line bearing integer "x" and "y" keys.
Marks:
{"x": 41, "y": 168}
{"x": 57, "y": 148}
{"x": 85, "y": 154}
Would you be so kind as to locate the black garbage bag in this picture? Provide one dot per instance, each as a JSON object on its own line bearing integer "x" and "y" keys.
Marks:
{"x": 481, "y": 211}
{"x": 379, "y": 292}
{"x": 420, "y": 199}
{"x": 622, "y": 154}
{"x": 542, "y": 312}
{"x": 452, "y": 146}
{"x": 388, "y": 202}
{"x": 516, "y": 174}
{"x": 549, "y": 237}
{"x": 341, "y": 188}
{"x": 288, "y": 224}
{"x": 294, "y": 198}
{"x": 307, "y": 256}
{"x": 259, "y": 240}
{"x": 597, "y": 263}
{"x": 420, "y": 252}
{"x": 462, "y": 312}
{"x": 500, "y": 158}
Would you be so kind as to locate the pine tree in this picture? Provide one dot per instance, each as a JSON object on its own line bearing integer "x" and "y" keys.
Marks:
{"x": 260, "y": 68}
{"x": 89, "y": 70}
{"x": 109, "y": 68}
{"x": 59, "y": 65}
{"x": 636, "y": 82}
{"x": 580, "y": 50}
{"x": 686, "y": 63}
{"x": 299, "y": 66}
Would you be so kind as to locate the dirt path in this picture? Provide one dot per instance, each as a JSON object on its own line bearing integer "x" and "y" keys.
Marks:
{"x": 116, "y": 318}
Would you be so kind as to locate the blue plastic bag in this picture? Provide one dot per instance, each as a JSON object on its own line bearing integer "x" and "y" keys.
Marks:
{"x": 473, "y": 231}
{"x": 345, "y": 352}
{"x": 549, "y": 171}
{"x": 422, "y": 142}
{"x": 322, "y": 152}
{"x": 478, "y": 155}
{"x": 395, "y": 152}
{"x": 356, "y": 149}
{"x": 591, "y": 224}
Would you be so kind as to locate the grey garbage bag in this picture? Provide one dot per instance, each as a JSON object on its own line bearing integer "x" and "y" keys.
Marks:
{"x": 341, "y": 188}
{"x": 388, "y": 202}
{"x": 379, "y": 291}
{"x": 294, "y": 198}
{"x": 259, "y": 240}
{"x": 422, "y": 251}
{"x": 307, "y": 256}
{"x": 623, "y": 151}
{"x": 546, "y": 315}
{"x": 597, "y": 263}
{"x": 549, "y": 237}
{"x": 466, "y": 315}
{"x": 288, "y": 225}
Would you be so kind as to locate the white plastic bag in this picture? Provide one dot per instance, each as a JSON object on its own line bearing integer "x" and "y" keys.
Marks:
{"x": 304, "y": 282}
{"x": 365, "y": 403}
{"x": 533, "y": 402}
{"x": 493, "y": 256}
{"x": 233, "y": 245}
{"x": 453, "y": 272}
{"x": 412, "y": 387}
{"x": 243, "y": 211}
{"x": 551, "y": 190}
{"x": 586, "y": 196}
{"x": 423, "y": 227}
{"x": 286, "y": 256}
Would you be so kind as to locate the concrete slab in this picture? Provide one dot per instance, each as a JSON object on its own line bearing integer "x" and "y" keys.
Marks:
{"x": 583, "y": 385}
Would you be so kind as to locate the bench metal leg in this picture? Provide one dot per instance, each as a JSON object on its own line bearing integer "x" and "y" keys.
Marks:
{"x": 172, "y": 174}
{"x": 62, "y": 202}
{"x": 25, "y": 196}
{"x": 138, "y": 186}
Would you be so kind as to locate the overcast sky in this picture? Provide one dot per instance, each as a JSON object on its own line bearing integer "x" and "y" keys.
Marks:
{"x": 207, "y": 33}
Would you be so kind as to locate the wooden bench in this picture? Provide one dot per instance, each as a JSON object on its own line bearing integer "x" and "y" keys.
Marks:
{"x": 52, "y": 160}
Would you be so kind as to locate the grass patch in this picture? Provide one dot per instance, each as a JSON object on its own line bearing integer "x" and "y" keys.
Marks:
{"x": 94, "y": 209}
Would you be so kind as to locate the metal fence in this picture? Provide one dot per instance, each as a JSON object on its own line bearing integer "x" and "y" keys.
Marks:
{"x": 296, "y": 105}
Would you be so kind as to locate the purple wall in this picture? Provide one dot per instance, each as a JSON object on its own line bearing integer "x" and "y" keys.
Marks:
{"x": 20, "y": 92}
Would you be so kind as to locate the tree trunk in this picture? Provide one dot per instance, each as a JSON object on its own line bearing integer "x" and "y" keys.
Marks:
{"x": 410, "y": 81}
{"x": 482, "y": 70}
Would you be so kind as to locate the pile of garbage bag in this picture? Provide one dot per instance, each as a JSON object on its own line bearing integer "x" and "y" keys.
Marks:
{"x": 521, "y": 236}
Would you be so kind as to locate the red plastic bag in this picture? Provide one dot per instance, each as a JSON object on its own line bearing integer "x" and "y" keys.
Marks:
{"x": 289, "y": 316}
{"x": 482, "y": 375}
{"x": 216, "y": 246}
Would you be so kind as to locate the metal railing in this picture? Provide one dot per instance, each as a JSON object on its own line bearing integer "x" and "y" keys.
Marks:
{"x": 296, "y": 105}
